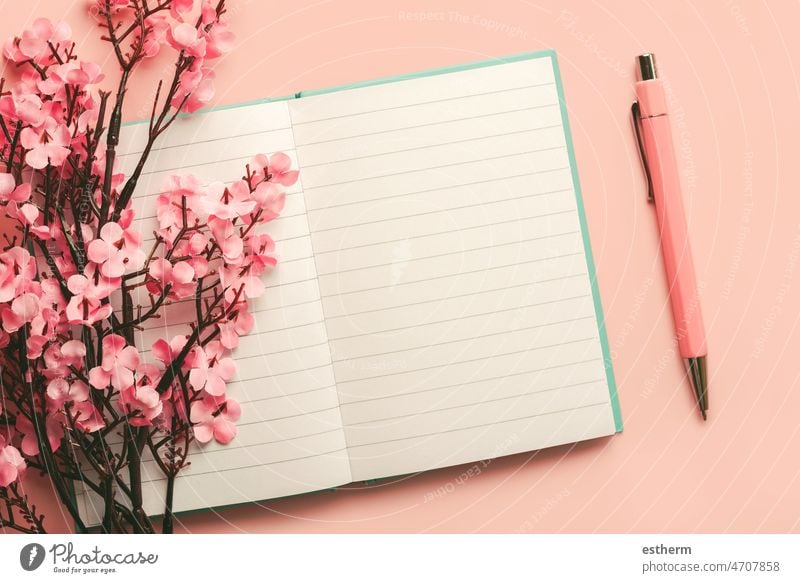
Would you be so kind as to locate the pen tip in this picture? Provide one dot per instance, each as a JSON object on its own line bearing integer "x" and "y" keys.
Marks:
{"x": 698, "y": 377}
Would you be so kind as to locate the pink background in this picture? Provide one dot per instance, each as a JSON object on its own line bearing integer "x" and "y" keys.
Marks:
{"x": 734, "y": 92}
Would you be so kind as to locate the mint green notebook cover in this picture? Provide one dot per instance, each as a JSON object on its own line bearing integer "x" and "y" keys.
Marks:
{"x": 551, "y": 54}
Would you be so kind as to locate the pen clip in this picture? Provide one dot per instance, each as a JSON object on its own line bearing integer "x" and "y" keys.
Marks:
{"x": 637, "y": 122}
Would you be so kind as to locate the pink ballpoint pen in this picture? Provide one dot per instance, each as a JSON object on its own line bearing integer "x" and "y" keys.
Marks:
{"x": 654, "y": 135}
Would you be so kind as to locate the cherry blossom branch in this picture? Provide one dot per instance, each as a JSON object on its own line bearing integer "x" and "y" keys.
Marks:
{"x": 74, "y": 270}
{"x": 18, "y": 503}
{"x": 182, "y": 64}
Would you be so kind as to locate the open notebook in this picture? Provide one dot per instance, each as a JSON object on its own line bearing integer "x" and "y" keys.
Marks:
{"x": 435, "y": 301}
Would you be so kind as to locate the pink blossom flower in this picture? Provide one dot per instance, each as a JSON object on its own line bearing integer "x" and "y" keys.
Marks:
{"x": 208, "y": 12}
{"x": 116, "y": 368}
{"x": 169, "y": 206}
{"x": 86, "y": 416}
{"x": 219, "y": 40}
{"x": 166, "y": 352}
{"x": 178, "y": 277}
{"x": 215, "y": 417}
{"x": 46, "y": 145}
{"x": 60, "y": 391}
{"x": 229, "y": 202}
{"x": 185, "y": 37}
{"x": 34, "y": 42}
{"x": 12, "y": 465}
{"x": 30, "y": 444}
{"x": 141, "y": 400}
{"x": 36, "y": 340}
{"x": 7, "y": 279}
{"x": 269, "y": 199}
{"x": 116, "y": 250}
{"x": 187, "y": 185}
{"x": 35, "y": 345}
{"x": 180, "y": 7}
{"x": 17, "y": 271}
{"x": 22, "y": 106}
{"x": 196, "y": 88}
{"x": 277, "y": 168}
{"x": 10, "y": 192}
{"x": 260, "y": 249}
{"x": 231, "y": 330}
{"x": 98, "y": 7}
{"x": 77, "y": 73}
{"x": 227, "y": 239}
{"x": 235, "y": 278}
{"x": 59, "y": 357}
{"x": 157, "y": 26}
{"x": 29, "y": 216}
{"x": 22, "y": 310}
{"x": 210, "y": 371}
{"x": 85, "y": 306}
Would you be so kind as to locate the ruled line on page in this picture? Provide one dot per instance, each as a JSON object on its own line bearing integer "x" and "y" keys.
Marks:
{"x": 432, "y": 101}
{"x": 431, "y": 124}
{"x": 465, "y": 295}
{"x": 434, "y": 189}
{"x": 477, "y": 381}
{"x": 152, "y": 217}
{"x": 455, "y": 407}
{"x": 449, "y": 253}
{"x": 284, "y": 417}
{"x": 488, "y": 313}
{"x": 278, "y": 220}
{"x": 181, "y": 168}
{"x": 434, "y": 211}
{"x": 206, "y": 141}
{"x": 334, "y": 294}
{"x": 447, "y": 232}
{"x": 190, "y": 301}
{"x": 478, "y": 337}
{"x": 140, "y": 198}
{"x": 456, "y": 362}
{"x": 233, "y": 446}
{"x": 244, "y": 467}
{"x": 448, "y": 143}
{"x": 439, "y": 167}
{"x": 450, "y": 430}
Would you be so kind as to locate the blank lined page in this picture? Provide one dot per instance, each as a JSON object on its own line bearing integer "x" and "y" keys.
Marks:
{"x": 290, "y": 436}
{"x": 452, "y": 270}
